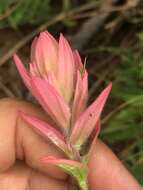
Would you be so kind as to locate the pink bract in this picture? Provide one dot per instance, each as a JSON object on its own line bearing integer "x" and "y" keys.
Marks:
{"x": 59, "y": 81}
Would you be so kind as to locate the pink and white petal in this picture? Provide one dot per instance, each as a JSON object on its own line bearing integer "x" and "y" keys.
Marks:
{"x": 23, "y": 72}
{"x": 52, "y": 102}
{"x": 34, "y": 70}
{"x": 54, "y": 82}
{"x": 46, "y": 53}
{"x": 88, "y": 119}
{"x": 25, "y": 75}
{"x": 59, "y": 162}
{"x": 46, "y": 130}
{"x": 80, "y": 97}
{"x": 66, "y": 68}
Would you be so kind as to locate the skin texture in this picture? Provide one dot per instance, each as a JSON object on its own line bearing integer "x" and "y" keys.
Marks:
{"x": 21, "y": 149}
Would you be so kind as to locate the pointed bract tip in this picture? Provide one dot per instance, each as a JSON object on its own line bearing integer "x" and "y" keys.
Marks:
{"x": 107, "y": 89}
{"x": 61, "y": 35}
{"x": 63, "y": 40}
{"x": 45, "y": 35}
{"x": 110, "y": 85}
{"x": 15, "y": 58}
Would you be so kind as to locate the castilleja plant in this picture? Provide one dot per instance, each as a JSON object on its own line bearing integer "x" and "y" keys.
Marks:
{"x": 59, "y": 81}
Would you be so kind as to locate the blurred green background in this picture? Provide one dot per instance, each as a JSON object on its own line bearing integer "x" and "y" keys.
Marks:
{"x": 110, "y": 35}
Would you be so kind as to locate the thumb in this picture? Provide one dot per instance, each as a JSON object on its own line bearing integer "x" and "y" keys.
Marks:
{"x": 107, "y": 172}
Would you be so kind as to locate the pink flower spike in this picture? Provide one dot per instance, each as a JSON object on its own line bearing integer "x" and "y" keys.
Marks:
{"x": 88, "y": 119}
{"x": 59, "y": 162}
{"x": 46, "y": 130}
{"x": 52, "y": 102}
{"x": 66, "y": 68}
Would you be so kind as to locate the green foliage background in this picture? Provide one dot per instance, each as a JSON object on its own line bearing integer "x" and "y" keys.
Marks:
{"x": 25, "y": 12}
{"x": 126, "y": 126}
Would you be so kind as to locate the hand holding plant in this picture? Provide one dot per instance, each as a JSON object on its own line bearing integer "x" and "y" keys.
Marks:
{"x": 58, "y": 80}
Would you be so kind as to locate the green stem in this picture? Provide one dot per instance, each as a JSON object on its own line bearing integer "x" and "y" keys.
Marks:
{"x": 84, "y": 185}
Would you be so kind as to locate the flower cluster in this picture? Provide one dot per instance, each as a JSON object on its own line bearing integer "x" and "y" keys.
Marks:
{"x": 59, "y": 81}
